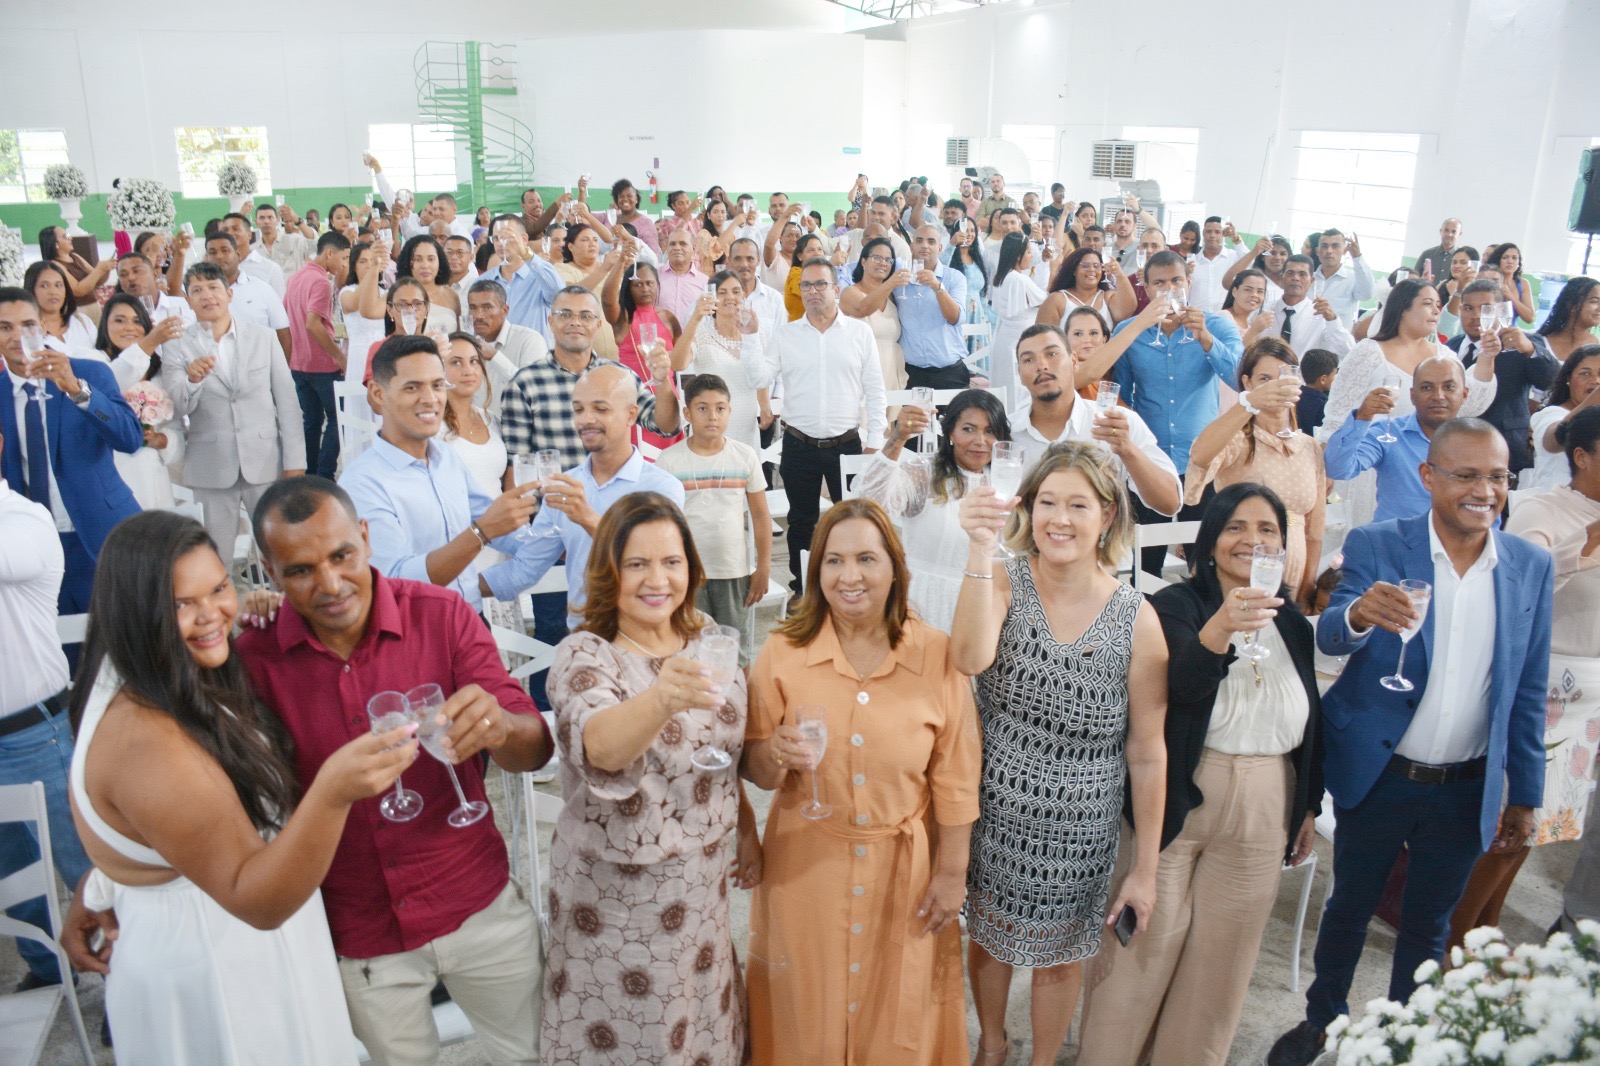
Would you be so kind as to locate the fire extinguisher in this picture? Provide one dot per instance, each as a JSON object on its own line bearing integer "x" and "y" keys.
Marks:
{"x": 651, "y": 175}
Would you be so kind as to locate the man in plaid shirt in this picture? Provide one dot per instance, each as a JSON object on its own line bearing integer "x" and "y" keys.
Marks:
{"x": 536, "y": 406}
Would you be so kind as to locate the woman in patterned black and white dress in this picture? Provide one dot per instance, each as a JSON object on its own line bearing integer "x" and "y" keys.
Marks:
{"x": 1071, "y": 667}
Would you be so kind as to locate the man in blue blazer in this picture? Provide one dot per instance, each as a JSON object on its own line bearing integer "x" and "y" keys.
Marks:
{"x": 59, "y": 453}
{"x": 1428, "y": 768}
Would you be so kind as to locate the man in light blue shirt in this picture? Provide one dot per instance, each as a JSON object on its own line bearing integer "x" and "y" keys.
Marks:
{"x": 426, "y": 517}
{"x": 1343, "y": 287}
{"x": 930, "y": 318}
{"x": 604, "y": 406}
{"x": 1438, "y": 389}
{"x": 531, "y": 283}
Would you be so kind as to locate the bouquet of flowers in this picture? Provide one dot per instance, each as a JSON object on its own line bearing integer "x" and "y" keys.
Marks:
{"x": 150, "y": 403}
{"x": 10, "y": 256}
{"x": 63, "y": 181}
{"x": 139, "y": 204}
{"x": 1535, "y": 1005}
{"x": 236, "y": 179}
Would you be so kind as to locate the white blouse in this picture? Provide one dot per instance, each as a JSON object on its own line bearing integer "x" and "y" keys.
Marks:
{"x": 1265, "y": 718}
{"x": 935, "y": 543}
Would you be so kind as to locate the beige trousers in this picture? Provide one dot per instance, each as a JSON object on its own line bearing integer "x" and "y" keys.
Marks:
{"x": 493, "y": 968}
{"x": 1175, "y": 993}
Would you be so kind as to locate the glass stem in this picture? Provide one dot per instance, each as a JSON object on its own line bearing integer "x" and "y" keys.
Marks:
{"x": 816, "y": 799}
{"x": 456, "y": 781}
{"x": 399, "y": 791}
{"x": 1400, "y": 666}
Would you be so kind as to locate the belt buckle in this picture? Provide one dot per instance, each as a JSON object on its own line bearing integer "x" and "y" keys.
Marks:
{"x": 1427, "y": 775}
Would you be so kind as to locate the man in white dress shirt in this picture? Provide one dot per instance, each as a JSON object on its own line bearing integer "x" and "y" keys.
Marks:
{"x": 253, "y": 300}
{"x": 281, "y": 243}
{"x": 830, "y": 370}
{"x": 245, "y": 426}
{"x": 35, "y": 736}
{"x": 1307, "y": 323}
{"x": 511, "y": 347}
{"x": 136, "y": 277}
{"x": 1342, "y": 286}
{"x": 1206, "y": 290}
{"x": 252, "y": 262}
{"x": 458, "y": 253}
{"x": 1054, "y": 412}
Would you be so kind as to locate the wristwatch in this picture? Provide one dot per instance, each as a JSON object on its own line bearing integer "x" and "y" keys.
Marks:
{"x": 83, "y": 394}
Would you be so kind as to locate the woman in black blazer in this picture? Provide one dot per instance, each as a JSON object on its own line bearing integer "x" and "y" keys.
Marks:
{"x": 1244, "y": 782}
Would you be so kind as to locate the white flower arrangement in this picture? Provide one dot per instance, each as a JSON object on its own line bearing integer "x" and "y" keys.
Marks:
{"x": 63, "y": 181}
{"x": 10, "y": 256}
{"x": 1535, "y": 1005}
{"x": 236, "y": 179}
{"x": 140, "y": 204}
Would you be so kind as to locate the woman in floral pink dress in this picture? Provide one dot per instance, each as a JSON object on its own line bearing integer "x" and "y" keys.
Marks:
{"x": 641, "y": 966}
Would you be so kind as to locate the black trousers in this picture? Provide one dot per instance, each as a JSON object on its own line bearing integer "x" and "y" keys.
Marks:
{"x": 804, "y": 468}
{"x": 954, "y": 376}
{"x": 1151, "y": 558}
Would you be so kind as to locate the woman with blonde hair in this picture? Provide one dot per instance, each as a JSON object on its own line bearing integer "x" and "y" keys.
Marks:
{"x": 1071, "y": 672}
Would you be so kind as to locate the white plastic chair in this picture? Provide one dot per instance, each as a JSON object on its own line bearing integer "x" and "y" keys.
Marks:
{"x": 72, "y": 628}
{"x": 850, "y": 469}
{"x": 1158, "y": 534}
{"x": 357, "y": 425}
{"x": 27, "y": 1017}
{"x": 1325, "y": 823}
{"x": 538, "y": 808}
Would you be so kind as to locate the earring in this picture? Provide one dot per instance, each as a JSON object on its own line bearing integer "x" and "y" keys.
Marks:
{"x": 1105, "y": 535}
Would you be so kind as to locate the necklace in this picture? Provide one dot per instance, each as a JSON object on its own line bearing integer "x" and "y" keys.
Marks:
{"x": 647, "y": 651}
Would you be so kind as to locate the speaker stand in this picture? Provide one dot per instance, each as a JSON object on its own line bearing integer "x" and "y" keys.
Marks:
{"x": 1588, "y": 245}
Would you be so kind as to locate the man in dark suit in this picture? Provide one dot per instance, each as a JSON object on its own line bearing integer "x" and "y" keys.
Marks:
{"x": 61, "y": 449}
{"x": 1426, "y": 767}
{"x": 1521, "y": 360}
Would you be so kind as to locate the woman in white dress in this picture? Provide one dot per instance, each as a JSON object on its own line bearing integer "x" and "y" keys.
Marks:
{"x": 1407, "y": 335}
{"x": 223, "y": 956}
{"x": 362, "y": 300}
{"x": 422, "y": 258}
{"x": 128, "y": 340}
{"x": 474, "y": 433}
{"x": 1085, "y": 279}
{"x": 722, "y": 337}
{"x": 1576, "y": 387}
{"x": 870, "y": 297}
{"x": 1016, "y": 299}
{"x": 59, "y": 316}
{"x": 923, "y": 494}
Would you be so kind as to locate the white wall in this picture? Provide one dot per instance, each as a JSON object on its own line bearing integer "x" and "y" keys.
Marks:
{"x": 1252, "y": 73}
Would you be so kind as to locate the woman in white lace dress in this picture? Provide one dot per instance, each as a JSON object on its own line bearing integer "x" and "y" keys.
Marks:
{"x": 1407, "y": 335}
{"x": 871, "y": 298}
{"x": 722, "y": 337}
{"x": 923, "y": 496}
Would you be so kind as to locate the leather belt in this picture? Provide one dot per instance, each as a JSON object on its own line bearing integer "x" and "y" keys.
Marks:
{"x": 1427, "y": 774}
{"x": 842, "y": 440}
{"x": 28, "y": 717}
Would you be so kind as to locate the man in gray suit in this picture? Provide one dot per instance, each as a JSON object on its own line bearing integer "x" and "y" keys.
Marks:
{"x": 510, "y": 346}
{"x": 245, "y": 429}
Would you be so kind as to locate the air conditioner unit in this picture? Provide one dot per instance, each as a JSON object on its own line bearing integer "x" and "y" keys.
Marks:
{"x": 1117, "y": 160}
{"x": 957, "y": 151}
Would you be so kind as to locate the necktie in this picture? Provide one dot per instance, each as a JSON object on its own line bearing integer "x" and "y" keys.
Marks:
{"x": 38, "y": 447}
{"x": 1288, "y": 322}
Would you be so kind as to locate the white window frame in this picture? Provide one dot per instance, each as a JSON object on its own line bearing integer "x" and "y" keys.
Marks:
{"x": 1356, "y": 182}
{"x": 33, "y": 158}
{"x": 419, "y": 156}
{"x": 197, "y": 173}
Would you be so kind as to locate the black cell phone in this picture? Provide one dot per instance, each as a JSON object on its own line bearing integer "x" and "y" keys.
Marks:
{"x": 1127, "y": 922}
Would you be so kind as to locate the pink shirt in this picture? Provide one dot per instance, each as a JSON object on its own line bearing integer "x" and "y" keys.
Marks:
{"x": 680, "y": 291}
{"x": 309, "y": 291}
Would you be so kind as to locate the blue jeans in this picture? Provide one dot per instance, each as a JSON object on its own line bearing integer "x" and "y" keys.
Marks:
{"x": 1438, "y": 824}
{"x": 320, "y": 413}
{"x": 42, "y": 752}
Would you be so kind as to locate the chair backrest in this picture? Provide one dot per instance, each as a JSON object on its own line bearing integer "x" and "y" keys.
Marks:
{"x": 537, "y": 655}
{"x": 538, "y": 807}
{"x": 72, "y": 628}
{"x": 850, "y": 468}
{"x": 1157, "y": 535}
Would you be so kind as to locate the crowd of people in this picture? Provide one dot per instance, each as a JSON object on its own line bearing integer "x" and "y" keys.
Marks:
{"x": 569, "y": 419}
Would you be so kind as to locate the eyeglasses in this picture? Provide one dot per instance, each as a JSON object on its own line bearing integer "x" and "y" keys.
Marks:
{"x": 879, "y": 259}
{"x": 409, "y": 305}
{"x": 1499, "y": 479}
{"x": 815, "y": 286}
{"x": 588, "y": 318}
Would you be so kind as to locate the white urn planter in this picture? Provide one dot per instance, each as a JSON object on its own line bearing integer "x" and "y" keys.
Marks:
{"x": 71, "y": 214}
{"x": 236, "y": 203}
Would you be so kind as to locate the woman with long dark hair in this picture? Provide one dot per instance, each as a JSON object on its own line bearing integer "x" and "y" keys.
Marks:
{"x": 1086, "y": 279}
{"x": 1576, "y": 388}
{"x": 422, "y": 258}
{"x": 131, "y": 343}
{"x": 870, "y": 297}
{"x": 362, "y": 300}
{"x": 56, "y": 247}
{"x": 1269, "y": 255}
{"x": 1507, "y": 258}
{"x": 1243, "y": 785}
{"x": 580, "y": 263}
{"x": 1188, "y": 239}
{"x": 629, "y": 306}
{"x": 209, "y": 855}
{"x": 1246, "y": 303}
{"x": 1461, "y": 275}
{"x": 923, "y": 493}
{"x": 1574, "y": 317}
{"x": 964, "y": 252}
{"x": 1016, "y": 298}
{"x": 59, "y": 317}
{"x": 722, "y": 337}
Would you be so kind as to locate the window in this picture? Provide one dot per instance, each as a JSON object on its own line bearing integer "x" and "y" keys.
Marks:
{"x": 203, "y": 149}
{"x": 415, "y": 157}
{"x": 23, "y": 156}
{"x": 1038, "y": 143}
{"x": 1170, "y": 156}
{"x": 1356, "y": 182}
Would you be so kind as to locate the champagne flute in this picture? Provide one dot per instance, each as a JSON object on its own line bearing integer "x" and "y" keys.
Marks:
{"x": 1387, "y": 381}
{"x": 1105, "y": 396}
{"x": 1266, "y": 574}
{"x": 922, "y": 397}
{"x": 1140, "y": 258}
{"x": 547, "y": 464}
{"x": 1176, "y": 298}
{"x": 716, "y": 649}
{"x": 1289, "y": 373}
{"x": 426, "y": 702}
{"x": 647, "y": 337}
{"x": 1006, "y": 467}
{"x": 408, "y": 321}
{"x": 33, "y": 349}
{"x": 1420, "y": 592}
{"x": 525, "y": 471}
{"x": 386, "y": 711}
{"x": 811, "y": 719}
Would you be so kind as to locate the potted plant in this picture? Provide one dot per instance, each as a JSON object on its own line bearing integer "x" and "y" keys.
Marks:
{"x": 236, "y": 181}
{"x": 10, "y": 256}
{"x": 140, "y": 204}
{"x": 66, "y": 185}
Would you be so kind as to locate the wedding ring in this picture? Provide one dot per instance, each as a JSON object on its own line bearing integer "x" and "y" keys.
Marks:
{"x": 778, "y": 759}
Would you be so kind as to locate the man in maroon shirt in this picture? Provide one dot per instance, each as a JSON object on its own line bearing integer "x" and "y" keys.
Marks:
{"x": 316, "y": 357}
{"x": 408, "y": 903}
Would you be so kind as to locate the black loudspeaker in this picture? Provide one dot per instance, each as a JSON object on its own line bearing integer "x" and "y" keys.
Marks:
{"x": 1585, "y": 214}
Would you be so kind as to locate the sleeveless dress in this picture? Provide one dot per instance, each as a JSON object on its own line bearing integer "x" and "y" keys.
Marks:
{"x": 628, "y": 355}
{"x": 1055, "y": 721}
{"x": 190, "y": 984}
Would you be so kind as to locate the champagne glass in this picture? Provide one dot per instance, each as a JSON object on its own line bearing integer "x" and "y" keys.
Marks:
{"x": 919, "y": 468}
{"x": 1006, "y": 466}
{"x": 1508, "y": 313}
{"x": 811, "y": 719}
{"x": 1420, "y": 592}
{"x": 408, "y": 321}
{"x": 1290, "y": 373}
{"x": 536, "y": 469}
{"x": 33, "y": 349}
{"x": 1387, "y": 381}
{"x": 1140, "y": 258}
{"x": 1176, "y": 299}
{"x": 386, "y": 711}
{"x": 1105, "y": 396}
{"x": 647, "y": 336}
{"x": 525, "y": 471}
{"x": 1266, "y": 574}
{"x": 426, "y": 702}
{"x": 922, "y": 397}
{"x": 716, "y": 649}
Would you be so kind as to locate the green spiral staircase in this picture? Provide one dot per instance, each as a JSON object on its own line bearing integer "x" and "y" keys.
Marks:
{"x": 472, "y": 87}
